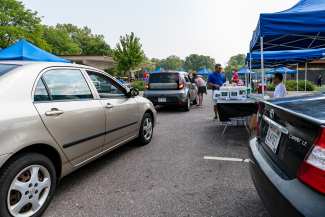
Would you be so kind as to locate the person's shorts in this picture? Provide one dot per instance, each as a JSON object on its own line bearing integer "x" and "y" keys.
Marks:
{"x": 213, "y": 100}
{"x": 202, "y": 89}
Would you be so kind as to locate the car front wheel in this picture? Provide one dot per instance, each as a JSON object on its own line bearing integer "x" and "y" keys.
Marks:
{"x": 146, "y": 130}
{"x": 27, "y": 184}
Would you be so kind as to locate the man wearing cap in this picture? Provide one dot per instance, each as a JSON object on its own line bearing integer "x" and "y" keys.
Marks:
{"x": 216, "y": 80}
{"x": 235, "y": 78}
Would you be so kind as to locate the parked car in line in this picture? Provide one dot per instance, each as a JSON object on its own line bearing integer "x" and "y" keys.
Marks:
{"x": 171, "y": 88}
{"x": 56, "y": 122}
{"x": 287, "y": 155}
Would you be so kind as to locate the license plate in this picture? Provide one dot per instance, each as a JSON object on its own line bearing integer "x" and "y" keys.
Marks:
{"x": 273, "y": 137}
{"x": 161, "y": 99}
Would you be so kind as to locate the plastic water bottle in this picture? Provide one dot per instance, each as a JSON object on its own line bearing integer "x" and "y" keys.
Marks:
{"x": 244, "y": 99}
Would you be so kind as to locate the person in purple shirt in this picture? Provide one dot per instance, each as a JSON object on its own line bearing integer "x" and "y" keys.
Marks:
{"x": 216, "y": 80}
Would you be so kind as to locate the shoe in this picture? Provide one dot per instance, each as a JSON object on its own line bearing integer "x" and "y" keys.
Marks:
{"x": 200, "y": 106}
{"x": 197, "y": 105}
{"x": 215, "y": 118}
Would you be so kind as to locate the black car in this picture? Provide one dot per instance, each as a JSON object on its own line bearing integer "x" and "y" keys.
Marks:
{"x": 287, "y": 155}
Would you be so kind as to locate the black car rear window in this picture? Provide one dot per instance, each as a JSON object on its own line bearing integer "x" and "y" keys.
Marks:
{"x": 4, "y": 68}
{"x": 163, "y": 77}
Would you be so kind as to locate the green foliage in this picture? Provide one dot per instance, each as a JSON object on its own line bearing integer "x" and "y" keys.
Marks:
{"x": 237, "y": 61}
{"x": 113, "y": 72}
{"x": 19, "y": 23}
{"x": 140, "y": 85}
{"x": 128, "y": 53}
{"x": 90, "y": 44}
{"x": 319, "y": 88}
{"x": 60, "y": 41}
{"x": 197, "y": 62}
{"x": 172, "y": 62}
{"x": 291, "y": 85}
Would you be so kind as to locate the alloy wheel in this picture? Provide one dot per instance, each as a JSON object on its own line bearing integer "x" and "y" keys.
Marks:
{"x": 147, "y": 128}
{"x": 28, "y": 191}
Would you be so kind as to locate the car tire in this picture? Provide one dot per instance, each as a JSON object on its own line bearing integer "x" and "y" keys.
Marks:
{"x": 15, "y": 196}
{"x": 187, "y": 107}
{"x": 146, "y": 130}
{"x": 196, "y": 101}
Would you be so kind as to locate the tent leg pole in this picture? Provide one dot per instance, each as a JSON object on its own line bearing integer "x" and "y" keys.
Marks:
{"x": 297, "y": 75}
{"x": 305, "y": 76}
{"x": 262, "y": 66}
{"x": 245, "y": 78}
{"x": 250, "y": 68}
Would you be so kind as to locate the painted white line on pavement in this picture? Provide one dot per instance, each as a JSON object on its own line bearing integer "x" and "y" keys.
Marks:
{"x": 222, "y": 158}
{"x": 226, "y": 159}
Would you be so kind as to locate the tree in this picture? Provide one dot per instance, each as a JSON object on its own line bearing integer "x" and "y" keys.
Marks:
{"x": 128, "y": 53}
{"x": 60, "y": 41}
{"x": 237, "y": 61}
{"x": 197, "y": 62}
{"x": 89, "y": 43}
{"x": 19, "y": 23}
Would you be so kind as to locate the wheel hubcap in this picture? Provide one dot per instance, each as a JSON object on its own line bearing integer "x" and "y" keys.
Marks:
{"x": 28, "y": 191}
{"x": 147, "y": 128}
{"x": 189, "y": 102}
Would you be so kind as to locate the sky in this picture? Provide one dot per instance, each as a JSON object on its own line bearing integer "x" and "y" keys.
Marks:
{"x": 215, "y": 28}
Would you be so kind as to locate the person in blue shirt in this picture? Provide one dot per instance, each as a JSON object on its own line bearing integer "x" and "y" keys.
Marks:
{"x": 121, "y": 80}
{"x": 216, "y": 80}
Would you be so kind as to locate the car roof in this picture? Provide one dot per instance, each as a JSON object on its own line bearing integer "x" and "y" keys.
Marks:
{"x": 168, "y": 72}
{"x": 45, "y": 64}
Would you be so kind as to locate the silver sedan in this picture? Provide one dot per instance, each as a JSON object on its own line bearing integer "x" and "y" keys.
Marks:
{"x": 53, "y": 120}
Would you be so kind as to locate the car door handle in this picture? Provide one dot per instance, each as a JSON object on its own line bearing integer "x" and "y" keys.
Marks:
{"x": 108, "y": 106}
{"x": 54, "y": 113}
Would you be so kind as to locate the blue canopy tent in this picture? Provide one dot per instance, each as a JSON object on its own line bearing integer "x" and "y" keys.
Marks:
{"x": 275, "y": 59}
{"x": 25, "y": 51}
{"x": 204, "y": 72}
{"x": 299, "y": 27}
{"x": 282, "y": 71}
{"x": 181, "y": 70}
{"x": 242, "y": 72}
{"x": 159, "y": 69}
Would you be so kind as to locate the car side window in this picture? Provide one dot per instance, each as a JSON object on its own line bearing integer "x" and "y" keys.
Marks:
{"x": 106, "y": 87}
{"x": 187, "y": 79}
{"x": 41, "y": 92}
{"x": 67, "y": 84}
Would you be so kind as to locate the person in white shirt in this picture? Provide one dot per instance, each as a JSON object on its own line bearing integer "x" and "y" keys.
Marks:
{"x": 280, "y": 89}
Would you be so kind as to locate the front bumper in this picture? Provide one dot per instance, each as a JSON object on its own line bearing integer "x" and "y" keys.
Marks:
{"x": 282, "y": 197}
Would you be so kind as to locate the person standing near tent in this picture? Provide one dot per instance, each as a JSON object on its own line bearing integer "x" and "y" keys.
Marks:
{"x": 216, "y": 80}
{"x": 201, "y": 86}
{"x": 280, "y": 89}
{"x": 319, "y": 81}
{"x": 235, "y": 78}
{"x": 223, "y": 72}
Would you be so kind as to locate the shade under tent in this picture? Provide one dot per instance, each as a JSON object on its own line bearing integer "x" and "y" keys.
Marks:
{"x": 293, "y": 29}
{"x": 275, "y": 59}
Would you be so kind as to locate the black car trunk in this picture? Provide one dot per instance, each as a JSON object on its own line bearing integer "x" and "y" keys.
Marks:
{"x": 299, "y": 132}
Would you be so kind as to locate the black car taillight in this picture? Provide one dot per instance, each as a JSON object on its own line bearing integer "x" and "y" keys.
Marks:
{"x": 312, "y": 170}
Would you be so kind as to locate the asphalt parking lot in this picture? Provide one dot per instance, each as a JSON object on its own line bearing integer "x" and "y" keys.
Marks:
{"x": 168, "y": 177}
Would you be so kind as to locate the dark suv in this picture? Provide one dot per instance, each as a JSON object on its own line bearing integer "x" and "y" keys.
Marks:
{"x": 171, "y": 88}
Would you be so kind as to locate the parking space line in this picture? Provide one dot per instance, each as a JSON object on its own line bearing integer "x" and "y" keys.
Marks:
{"x": 226, "y": 159}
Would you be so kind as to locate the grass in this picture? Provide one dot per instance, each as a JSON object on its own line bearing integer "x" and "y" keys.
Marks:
{"x": 319, "y": 88}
